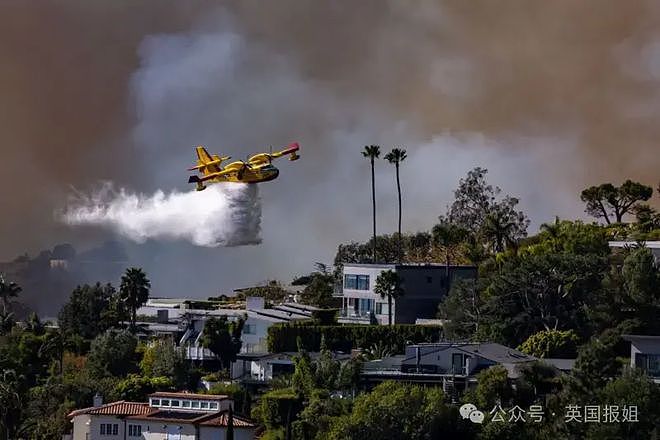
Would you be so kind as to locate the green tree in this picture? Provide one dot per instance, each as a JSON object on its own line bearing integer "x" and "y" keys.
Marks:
{"x": 134, "y": 291}
{"x": 223, "y": 338}
{"x": 113, "y": 353}
{"x": 475, "y": 200}
{"x": 320, "y": 288}
{"x": 388, "y": 285}
{"x": 8, "y": 290}
{"x": 598, "y": 361}
{"x": 395, "y": 157}
{"x": 272, "y": 292}
{"x": 609, "y": 202}
{"x": 372, "y": 152}
{"x": 542, "y": 292}
{"x": 136, "y": 388}
{"x": 493, "y": 387}
{"x": 449, "y": 236}
{"x": 551, "y": 344}
{"x": 164, "y": 359}
{"x": 10, "y": 403}
{"x": 631, "y": 389}
{"x": 398, "y": 411}
{"x": 303, "y": 380}
{"x": 462, "y": 309}
{"x": 88, "y": 312}
{"x": 7, "y": 322}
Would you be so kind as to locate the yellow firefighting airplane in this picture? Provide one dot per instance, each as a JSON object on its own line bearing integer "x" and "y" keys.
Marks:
{"x": 258, "y": 168}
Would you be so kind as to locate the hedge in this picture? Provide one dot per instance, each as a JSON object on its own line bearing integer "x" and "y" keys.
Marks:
{"x": 284, "y": 336}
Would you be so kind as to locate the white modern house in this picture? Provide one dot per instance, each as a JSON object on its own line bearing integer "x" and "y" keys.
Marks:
{"x": 645, "y": 354}
{"x": 257, "y": 317}
{"x": 424, "y": 286}
{"x": 167, "y": 416}
{"x": 653, "y": 245}
{"x": 185, "y": 325}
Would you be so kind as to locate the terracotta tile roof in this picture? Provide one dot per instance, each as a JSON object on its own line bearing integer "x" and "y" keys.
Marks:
{"x": 121, "y": 408}
{"x": 222, "y": 418}
{"x": 185, "y": 395}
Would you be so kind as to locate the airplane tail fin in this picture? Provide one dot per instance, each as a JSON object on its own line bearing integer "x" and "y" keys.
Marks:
{"x": 207, "y": 164}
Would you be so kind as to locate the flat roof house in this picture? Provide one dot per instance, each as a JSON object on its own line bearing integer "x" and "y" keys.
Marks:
{"x": 653, "y": 245}
{"x": 424, "y": 285}
{"x": 645, "y": 354}
{"x": 180, "y": 416}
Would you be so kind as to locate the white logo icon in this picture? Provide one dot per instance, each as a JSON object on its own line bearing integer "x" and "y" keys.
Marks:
{"x": 469, "y": 411}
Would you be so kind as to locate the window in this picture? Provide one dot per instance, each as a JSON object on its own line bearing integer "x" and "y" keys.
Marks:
{"x": 204, "y": 405}
{"x": 155, "y": 402}
{"x": 381, "y": 309}
{"x": 165, "y": 402}
{"x": 103, "y": 429}
{"x": 249, "y": 329}
{"x": 350, "y": 281}
{"x": 363, "y": 282}
{"x": 194, "y": 404}
{"x": 115, "y": 429}
{"x": 134, "y": 430}
{"x": 175, "y": 403}
{"x": 650, "y": 363}
{"x": 185, "y": 403}
{"x": 213, "y": 405}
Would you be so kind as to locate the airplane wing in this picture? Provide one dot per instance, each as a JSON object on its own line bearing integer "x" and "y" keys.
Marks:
{"x": 196, "y": 179}
{"x": 290, "y": 149}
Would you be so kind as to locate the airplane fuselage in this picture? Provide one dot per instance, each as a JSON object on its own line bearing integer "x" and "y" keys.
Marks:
{"x": 248, "y": 174}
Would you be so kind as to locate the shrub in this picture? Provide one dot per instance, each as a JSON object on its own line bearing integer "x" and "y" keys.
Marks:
{"x": 284, "y": 337}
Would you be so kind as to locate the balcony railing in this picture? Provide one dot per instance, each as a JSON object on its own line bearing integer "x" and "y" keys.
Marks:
{"x": 197, "y": 353}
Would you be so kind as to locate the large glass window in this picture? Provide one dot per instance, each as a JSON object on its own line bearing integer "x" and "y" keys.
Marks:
{"x": 363, "y": 282}
{"x": 350, "y": 281}
{"x": 366, "y": 305}
{"x": 649, "y": 363}
{"x": 134, "y": 430}
{"x": 356, "y": 282}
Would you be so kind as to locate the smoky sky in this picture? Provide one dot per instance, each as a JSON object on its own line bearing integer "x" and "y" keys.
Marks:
{"x": 549, "y": 96}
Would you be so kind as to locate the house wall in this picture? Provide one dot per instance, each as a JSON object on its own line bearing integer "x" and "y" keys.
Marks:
{"x": 80, "y": 427}
{"x": 154, "y": 430}
{"x": 643, "y": 346}
{"x": 255, "y": 341}
{"x": 425, "y": 287}
{"x": 218, "y": 433}
{"x": 94, "y": 428}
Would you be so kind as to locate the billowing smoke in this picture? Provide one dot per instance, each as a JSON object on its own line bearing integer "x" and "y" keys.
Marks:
{"x": 549, "y": 96}
{"x": 222, "y": 215}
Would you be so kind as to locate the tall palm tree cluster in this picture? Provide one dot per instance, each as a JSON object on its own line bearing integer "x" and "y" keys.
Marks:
{"x": 394, "y": 157}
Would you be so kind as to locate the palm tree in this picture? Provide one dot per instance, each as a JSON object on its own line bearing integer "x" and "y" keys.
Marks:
{"x": 396, "y": 156}
{"x": 372, "y": 152}
{"x": 8, "y": 290}
{"x": 7, "y": 321}
{"x": 498, "y": 231}
{"x": 449, "y": 236}
{"x": 134, "y": 291}
{"x": 388, "y": 285}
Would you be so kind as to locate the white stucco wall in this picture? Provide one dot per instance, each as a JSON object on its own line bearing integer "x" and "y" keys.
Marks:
{"x": 216, "y": 433}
